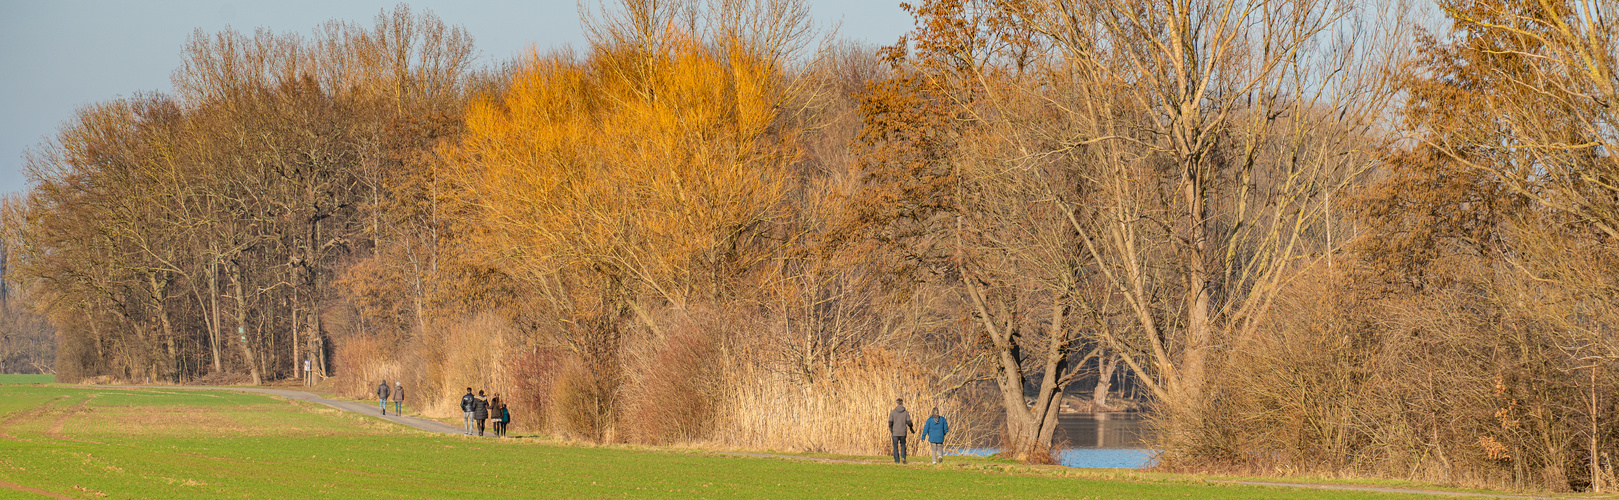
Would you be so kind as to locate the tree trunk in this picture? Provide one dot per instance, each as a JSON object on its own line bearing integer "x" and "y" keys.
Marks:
{"x": 1029, "y": 428}
{"x": 159, "y": 295}
{"x": 241, "y": 324}
{"x": 1107, "y": 366}
{"x": 1199, "y": 321}
{"x": 213, "y": 306}
{"x": 297, "y": 366}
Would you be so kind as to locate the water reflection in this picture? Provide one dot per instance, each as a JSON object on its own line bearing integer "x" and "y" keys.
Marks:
{"x": 1089, "y": 458}
{"x": 1101, "y": 430}
{"x": 1105, "y": 458}
{"x": 1103, "y": 440}
{"x": 1096, "y": 440}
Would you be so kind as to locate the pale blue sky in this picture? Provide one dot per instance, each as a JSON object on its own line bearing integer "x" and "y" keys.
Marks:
{"x": 57, "y": 55}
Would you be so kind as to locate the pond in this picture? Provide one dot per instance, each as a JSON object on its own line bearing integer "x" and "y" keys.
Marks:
{"x": 1096, "y": 440}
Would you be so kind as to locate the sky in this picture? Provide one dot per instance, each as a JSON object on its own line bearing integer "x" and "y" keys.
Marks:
{"x": 59, "y": 55}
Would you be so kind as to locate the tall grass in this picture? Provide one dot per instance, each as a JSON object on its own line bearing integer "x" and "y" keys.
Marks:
{"x": 436, "y": 366}
{"x": 702, "y": 379}
{"x": 679, "y": 392}
{"x": 844, "y": 410}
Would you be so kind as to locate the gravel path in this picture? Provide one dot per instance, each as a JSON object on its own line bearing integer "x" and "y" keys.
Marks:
{"x": 443, "y": 428}
{"x": 353, "y": 406}
{"x": 1378, "y": 489}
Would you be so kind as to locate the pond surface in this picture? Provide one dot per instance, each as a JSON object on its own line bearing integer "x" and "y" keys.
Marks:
{"x": 1096, "y": 440}
{"x": 1102, "y": 430}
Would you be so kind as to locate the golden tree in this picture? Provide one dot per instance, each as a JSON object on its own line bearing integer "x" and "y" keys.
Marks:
{"x": 647, "y": 170}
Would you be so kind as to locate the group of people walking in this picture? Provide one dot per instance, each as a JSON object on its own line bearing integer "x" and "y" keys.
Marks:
{"x": 398, "y": 393}
{"x": 900, "y": 428}
{"x": 477, "y": 409}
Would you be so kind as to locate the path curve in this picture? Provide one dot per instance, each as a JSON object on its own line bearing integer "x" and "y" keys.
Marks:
{"x": 350, "y": 406}
{"x": 443, "y": 428}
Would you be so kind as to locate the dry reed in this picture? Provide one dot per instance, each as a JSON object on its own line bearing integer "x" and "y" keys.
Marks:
{"x": 842, "y": 411}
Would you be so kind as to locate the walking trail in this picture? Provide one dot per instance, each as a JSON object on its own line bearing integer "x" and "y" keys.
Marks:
{"x": 365, "y": 408}
{"x": 352, "y": 406}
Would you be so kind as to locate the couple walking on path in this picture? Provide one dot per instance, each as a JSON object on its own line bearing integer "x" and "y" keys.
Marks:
{"x": 899, "y": 426}
{"x": 398, "y": 394}
{"x": 476, "y": 409}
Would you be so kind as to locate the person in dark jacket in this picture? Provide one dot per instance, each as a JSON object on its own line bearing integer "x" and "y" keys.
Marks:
{"x": 466, "y": 412}
{"x": 480, "y": 411}
{"x": 503, "y": 417}
{"x": 899, "y": 426}
{"x": 382, "y": 396}
{"x": 933, "y": 430}
{"x": 399, "y": 397}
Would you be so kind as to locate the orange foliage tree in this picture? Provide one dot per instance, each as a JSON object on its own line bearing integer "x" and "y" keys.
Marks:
{"x": 643, "y": 174}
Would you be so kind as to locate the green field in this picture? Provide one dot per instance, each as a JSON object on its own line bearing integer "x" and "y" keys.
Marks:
{"x": 86, "y": 442}
{"x": 8, "y": 378}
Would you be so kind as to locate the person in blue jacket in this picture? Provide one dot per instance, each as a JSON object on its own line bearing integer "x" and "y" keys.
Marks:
{"x": 933, "y": 431}
{"x": 503, "y": 416}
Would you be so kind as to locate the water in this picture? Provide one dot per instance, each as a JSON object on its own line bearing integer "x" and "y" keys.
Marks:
{"x": 1100, "y": 441}
{"x": 1101, "y": 430}
{"x": 1106, "y": 458}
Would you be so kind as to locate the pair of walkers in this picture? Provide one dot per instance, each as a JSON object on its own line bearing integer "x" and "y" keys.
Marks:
{"x": 900, "y": 428}
{"x": 398, "y": 393}
{"x": 476, "y": 409}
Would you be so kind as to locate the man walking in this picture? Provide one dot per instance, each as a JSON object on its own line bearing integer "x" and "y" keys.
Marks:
{"x": 382, "y": 396}
{"x": 933, "y": 431}
{"x": 399, "y": 398}
{"x": 466, "y": 411}
{"x": 899, "y": 426}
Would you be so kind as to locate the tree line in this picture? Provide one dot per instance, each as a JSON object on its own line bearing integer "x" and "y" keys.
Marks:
{"x": 1373, "y": 238}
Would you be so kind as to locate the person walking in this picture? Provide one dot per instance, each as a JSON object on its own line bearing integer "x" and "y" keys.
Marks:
{"x": 480, "y": 411}
{"x": 933, "y": 430}
{"x": 503, "y": 417}
{"x": 466, "y": 411}
{"x": 899, "y": 426}
{"x": 399, "y": 398}
{"x": 382, "y": 396}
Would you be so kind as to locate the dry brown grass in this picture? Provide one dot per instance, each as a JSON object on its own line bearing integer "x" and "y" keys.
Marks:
{"x": 843, "y": 411}
{"x": 436, "y": 366}
{"x": 680, "y": 393}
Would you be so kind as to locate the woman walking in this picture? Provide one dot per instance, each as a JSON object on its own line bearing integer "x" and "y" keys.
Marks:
{"x": 503, "y": 417}
{"x": 480, "y": 410}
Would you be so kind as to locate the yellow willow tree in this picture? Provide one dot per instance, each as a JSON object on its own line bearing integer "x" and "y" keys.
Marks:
{"x": 642, "y": 174}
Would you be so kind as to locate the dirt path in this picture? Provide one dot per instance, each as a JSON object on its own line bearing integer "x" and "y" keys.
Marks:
{"x": 55, "y": 430}
{"x": 443, "y": 428}
{"x": 351, "y": 406}
{"x": 796, "y": 457}
{"x": 1380, "y": 489}
{"x": 1308, "y": 486}
{"x": 14, "y": 417}
{"x": 33, "y": 490}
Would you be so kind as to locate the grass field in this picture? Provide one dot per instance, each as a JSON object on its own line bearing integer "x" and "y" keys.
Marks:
{"x": 88, "y": 442}
{"x": 7, "y": 379}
